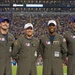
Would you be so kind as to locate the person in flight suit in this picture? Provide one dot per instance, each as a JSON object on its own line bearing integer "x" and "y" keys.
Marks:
{"x": 6, "y": 41}
{"x": 25, "y": 51}
{"x": 53, "y": 49}
{"x": 70, "y": 39}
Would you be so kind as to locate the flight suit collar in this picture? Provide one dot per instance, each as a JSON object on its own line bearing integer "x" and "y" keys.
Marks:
{"x": 28, "y": 38}
{"x": 54, "y": 37}
{"x": 2, "y": 34}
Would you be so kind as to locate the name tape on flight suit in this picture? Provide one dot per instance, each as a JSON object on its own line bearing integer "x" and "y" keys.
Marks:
{"x": 55, "y": 42}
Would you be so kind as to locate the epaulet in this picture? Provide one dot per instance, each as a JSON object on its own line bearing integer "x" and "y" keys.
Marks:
{"x": 66, "y": 32}
{"x": 61, "y": 35}
{"x": 20, "y": 38}
{"x": 11, "y": 35}
{"x": 36, "y": 38}
{"x": 21, "y": 35}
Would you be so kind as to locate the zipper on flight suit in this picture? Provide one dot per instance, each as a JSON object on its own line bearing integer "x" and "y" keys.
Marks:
{"x": 51, "y": 58}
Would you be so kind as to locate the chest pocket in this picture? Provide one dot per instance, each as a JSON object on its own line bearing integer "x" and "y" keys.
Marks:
{"x": 57, "y": 44}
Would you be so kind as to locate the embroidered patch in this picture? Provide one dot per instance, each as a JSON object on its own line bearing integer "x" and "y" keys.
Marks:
{"x": 2, "y": 39}
{"x": 47, "y": 42}
{"x": 55, "y": 42}
{"x": 16, "y": 43}
{"x": 10, "y": 39}
{"x": 27, "y": 44}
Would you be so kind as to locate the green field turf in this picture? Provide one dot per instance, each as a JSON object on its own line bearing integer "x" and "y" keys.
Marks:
{"x": 39, "y": 70}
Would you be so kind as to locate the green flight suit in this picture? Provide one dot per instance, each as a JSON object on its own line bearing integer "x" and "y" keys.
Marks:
{"x": 70, "y": 38}
{"x": 52, "y": 54}
{"x": 24, "y": 52}
{"x": 5, "y": 54}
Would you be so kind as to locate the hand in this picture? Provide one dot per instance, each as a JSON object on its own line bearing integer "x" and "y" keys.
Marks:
{"x": 66, "y": 61}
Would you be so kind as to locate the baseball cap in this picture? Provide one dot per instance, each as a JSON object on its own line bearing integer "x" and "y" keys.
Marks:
{"x": 73, "y": 19}
{"x": 4, "y": 19}
{"x": 52, "y": 21}
{"x": 28, "y": 25}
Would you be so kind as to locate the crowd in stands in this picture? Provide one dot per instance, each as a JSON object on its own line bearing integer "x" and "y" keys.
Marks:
{"x": 37, "y": 9}
{"x": 40, "y": 23}
{"x": 63, "y": 2}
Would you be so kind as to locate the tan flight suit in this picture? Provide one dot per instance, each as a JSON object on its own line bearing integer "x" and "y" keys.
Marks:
{"x": 52, "y": 54}
{"x": 70, "y": 38}
{"x": 25, "y": 53}
{"x": 5, "y": 54}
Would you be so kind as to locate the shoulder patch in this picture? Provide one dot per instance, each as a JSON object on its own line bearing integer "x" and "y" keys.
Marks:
{"x": 10, "y": 39}
{"x": 16, "y": 42}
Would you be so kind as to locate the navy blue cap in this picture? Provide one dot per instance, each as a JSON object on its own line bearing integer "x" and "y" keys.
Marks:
{"x": 73, "y": 19}
{"x": 4, "y": 19}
